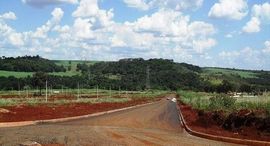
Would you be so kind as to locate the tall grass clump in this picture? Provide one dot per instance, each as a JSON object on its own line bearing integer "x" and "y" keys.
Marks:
{"x": 222, "y": 102}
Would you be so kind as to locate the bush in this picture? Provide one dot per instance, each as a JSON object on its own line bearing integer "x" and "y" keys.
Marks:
{"x": 221, "y": 101}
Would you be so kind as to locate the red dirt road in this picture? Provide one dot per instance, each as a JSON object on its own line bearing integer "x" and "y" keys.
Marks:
{"x": 153, "y": 124}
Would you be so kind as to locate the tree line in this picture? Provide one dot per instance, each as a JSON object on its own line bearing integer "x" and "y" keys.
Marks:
{"x": 138, "y": 74}
{"x": 29, "y": 64}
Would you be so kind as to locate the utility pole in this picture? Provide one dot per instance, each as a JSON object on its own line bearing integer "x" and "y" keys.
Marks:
{"x": 147, "y": 77}
{"x": 97, "y": 91}
{"x": 110, "y": 91}
{"x": 46, "y": 91}
{"x": 78, "y": 96}
{"x": 119, "y": 91}
{"x": 19, "y": 92}
{"x": 27, "y": 92}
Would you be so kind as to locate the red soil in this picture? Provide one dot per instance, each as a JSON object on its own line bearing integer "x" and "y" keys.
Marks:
{"x": 43, "y": 112}
{"x": 206, "y": 125}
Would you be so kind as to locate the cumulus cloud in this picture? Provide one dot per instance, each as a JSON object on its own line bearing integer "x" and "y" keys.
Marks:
{"x": 44, "y": 3}
{"x": 8, "y": 16}
{"x": 139, "y": 4}
{"x": 267, "y": 47}
{"x": 41, "y": 32}
{"x": 95, "y": 35}
{"x": 16, "y": 39}
{"x": 82, "y": 28}
{"x": 172, "y": 4}
{"x": 260, "y": 14}
{"x": 252, "y": 26}
{"x": 90, "y": 9}
{"x": 249, "y": 58}
{"x": 229, "y": 9}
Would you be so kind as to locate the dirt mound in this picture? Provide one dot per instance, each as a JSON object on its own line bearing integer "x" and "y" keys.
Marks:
{"x": 245, "y": 123}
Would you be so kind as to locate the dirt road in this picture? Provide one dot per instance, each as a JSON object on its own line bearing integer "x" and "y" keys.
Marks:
{"x": 154, "y": 124}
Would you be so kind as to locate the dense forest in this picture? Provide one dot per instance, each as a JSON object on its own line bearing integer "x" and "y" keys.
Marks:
{"x": 132, "y": 74}
{"x": 29, "y": 64}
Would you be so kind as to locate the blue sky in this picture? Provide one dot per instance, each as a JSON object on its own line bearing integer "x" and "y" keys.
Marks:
{"x": 221, "y": 33}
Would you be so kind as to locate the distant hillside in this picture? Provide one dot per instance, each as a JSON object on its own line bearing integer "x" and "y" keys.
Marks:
{"x": 29, "y": 64}
{"x": 71, "y": 65}
{"x": 138, "y": 74}
{"x": 131, "y": 74}
{"x": 239, "y": 79}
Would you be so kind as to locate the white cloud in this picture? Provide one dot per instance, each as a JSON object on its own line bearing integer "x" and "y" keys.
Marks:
{"x": 262, "y": 12}
{"x": 200, "y": 28}
{"x": 140, "y": 4}
{"x": 95, "y": 35}
{"x": 168, "y": 21}
{"x": 201, "y": 45}
{"x": 252, "y": 26}
{"x": 173, "y": 32}
{"x": 267, "y": 47}
{"x": 229, "y": 9}
{"x": 44, "y": 3}
{"x": 247, "y": 58}
{"x": 171, "y": 4}
{"x": 41, "y": 32}
{"x": 90, "y": 9}
{"x": 16, "y": 39}
{"x": 86, "y": 8}
{"x": 57, "y": 14}
{"x": 9, "y": 16}
{"x": 82, "y": 29}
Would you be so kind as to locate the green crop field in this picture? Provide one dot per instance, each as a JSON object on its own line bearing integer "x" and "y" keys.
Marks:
{"x": 15, "y": 74}
{"x": 65, "y": 63}
{"x": 25, "y": 74}
{"x": 243, "y": 74}
{"x": 72, "y": 63}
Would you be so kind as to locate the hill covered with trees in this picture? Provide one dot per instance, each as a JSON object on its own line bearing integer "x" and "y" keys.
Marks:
{"x": 133, "y": 74}
{"x": 29, "y": 64}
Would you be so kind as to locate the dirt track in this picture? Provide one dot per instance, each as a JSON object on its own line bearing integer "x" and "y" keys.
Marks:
{"x": 154, "y": 124}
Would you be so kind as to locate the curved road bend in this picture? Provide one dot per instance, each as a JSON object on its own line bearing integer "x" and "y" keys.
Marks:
{"x": 154, "y": 124}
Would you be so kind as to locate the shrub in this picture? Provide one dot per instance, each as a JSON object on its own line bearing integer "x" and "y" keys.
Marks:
{"x": 221, "y": 101}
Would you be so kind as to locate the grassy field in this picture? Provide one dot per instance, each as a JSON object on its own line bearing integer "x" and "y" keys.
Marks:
{"x": 75, "y": 96}
{"x": 216, "y": 75}
{"x": 25, "y": 74}
{"x": 72, "y": 63}
{"x": 65, "y": 63}
{"x": 15, "y": 74}
{"x": 203, "y": 101}
{"x": 243, "y": 74}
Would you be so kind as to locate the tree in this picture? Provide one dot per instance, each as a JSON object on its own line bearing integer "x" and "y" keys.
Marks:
{"x": 39, "y": 79}
{"x": 225, "y": 87}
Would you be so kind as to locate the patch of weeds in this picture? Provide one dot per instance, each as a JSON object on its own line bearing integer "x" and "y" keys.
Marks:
{"x": 222, "y": 102}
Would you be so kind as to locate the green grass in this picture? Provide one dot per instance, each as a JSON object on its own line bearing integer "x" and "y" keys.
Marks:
{"x": 25, "y": 74}
{"x": 72, "y": 63}
{"x": 243, "y": 74}
{"x": 15, "y": 74}
{"x": 201, "y": 100}
{"x": 104, "y": 96}
{"x": 65, "y": 63}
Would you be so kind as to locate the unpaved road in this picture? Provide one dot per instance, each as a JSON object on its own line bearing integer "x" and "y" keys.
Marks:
{"x": 154, "y": 124}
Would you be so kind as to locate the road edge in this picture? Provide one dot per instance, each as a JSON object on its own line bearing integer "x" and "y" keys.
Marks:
{"x": 37, "y": 122}
{"x": 219, "y": 138}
